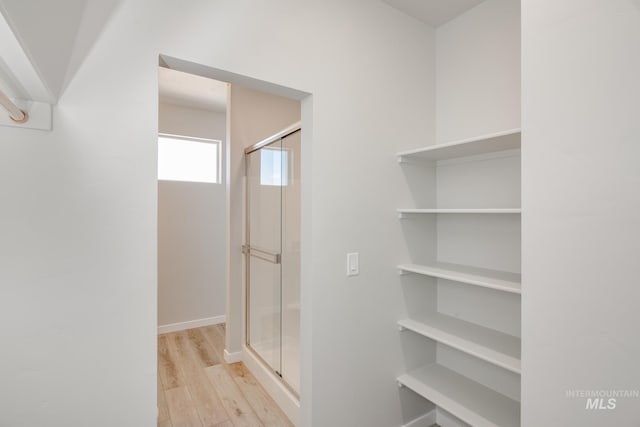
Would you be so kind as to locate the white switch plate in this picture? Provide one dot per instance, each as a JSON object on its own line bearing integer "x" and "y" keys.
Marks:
{"x": 353, "y": 264}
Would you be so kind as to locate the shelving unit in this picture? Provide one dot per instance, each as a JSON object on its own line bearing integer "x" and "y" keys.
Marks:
{"x": 486, "y": 344}
{"x": 468, "y": 400}
{"x": 501, "y": 141}
{"x": 456, "y": 377}
{"x": 498, "y": 280}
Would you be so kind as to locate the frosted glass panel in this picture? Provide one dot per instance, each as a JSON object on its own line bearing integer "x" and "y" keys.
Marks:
{"x": 264, "y": 311}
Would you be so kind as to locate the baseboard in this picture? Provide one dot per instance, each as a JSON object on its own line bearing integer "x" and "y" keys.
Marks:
{"x": 426, "y": 420}
{"x": 233, "y": 357}
{"x": 181, "y": 326}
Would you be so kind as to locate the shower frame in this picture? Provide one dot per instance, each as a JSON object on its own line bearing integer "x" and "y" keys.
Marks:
{"x": 277, "y": 258}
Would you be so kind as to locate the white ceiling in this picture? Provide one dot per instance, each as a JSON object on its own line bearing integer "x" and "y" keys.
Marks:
{"x": 189, "y": 90}
{"x": 18, "y": 77}
{"x": 433, "y": 12}
{"x": 57, "y": 35}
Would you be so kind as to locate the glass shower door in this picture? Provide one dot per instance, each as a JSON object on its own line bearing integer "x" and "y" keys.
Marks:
{"x": 273, "y": 236}
{"x": 264, "y": 235}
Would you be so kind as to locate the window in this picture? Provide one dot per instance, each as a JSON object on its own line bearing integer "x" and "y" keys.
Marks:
{"x": 274, "y": 167}
{"x": 188, "y": 159}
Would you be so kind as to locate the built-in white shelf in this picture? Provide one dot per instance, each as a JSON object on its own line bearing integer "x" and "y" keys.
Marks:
{"x": 403, "y": 212}
{"x": 495, "y": 347}
{"x": 498, "y": 280}
{"x": 466, "y": 399}
{"x": 501, "y": 141}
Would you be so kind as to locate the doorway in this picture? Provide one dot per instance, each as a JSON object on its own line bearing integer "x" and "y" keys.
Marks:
{"x": 252, "y": 114}
{"x": 192, "y": 214}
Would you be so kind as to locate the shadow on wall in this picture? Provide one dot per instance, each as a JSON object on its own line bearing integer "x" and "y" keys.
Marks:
{"x": 70, "y": 33}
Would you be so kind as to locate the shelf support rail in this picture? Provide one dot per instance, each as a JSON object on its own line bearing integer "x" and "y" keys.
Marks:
{"x": 15, "y": 113}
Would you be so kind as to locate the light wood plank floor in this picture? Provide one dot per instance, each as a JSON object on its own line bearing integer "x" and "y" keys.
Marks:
{"x": 196, "y": 388}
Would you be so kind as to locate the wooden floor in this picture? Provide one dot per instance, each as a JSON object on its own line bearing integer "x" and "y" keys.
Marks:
{"x": 196, "y": 388}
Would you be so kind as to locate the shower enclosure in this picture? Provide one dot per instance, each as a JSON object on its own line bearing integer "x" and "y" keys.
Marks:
{"x": 272, "y": 253}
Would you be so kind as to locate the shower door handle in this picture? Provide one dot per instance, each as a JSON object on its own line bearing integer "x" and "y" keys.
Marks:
{"x": 272, "y": 257}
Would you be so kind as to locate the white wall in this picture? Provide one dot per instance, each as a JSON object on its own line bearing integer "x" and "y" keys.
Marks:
{"x": 191, "y": 229}
{"x": 78, "y": 245}
{"x": 581, "y": 229}
{"x": 478, "y": 92}
{"x": 194, "y": 122}
{"x": 478, "y": 71}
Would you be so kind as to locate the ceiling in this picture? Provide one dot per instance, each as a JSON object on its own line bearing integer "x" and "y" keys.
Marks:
{"x": 189, "y": 90}
{"x": 57, "y": 35}
{"x": 433, "y": 12}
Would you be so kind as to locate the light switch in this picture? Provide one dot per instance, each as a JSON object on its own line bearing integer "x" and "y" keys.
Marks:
{"x": 353, "y": 264}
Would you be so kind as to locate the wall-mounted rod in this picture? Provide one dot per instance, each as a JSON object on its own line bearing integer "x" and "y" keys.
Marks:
{"x": 15, "y": 113}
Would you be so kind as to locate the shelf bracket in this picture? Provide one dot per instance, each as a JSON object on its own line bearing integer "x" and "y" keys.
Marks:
{"x": 402, "y": 160}
{"x": 402, "y": 272}
{"x": 37, "y": 116}
{"x": 399, "y": 384}
{"x": 401, "y": 328}
{"x": 402, "y": 215}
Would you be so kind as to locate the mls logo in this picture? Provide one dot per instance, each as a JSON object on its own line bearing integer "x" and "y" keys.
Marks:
{"x": 600, "y": 403}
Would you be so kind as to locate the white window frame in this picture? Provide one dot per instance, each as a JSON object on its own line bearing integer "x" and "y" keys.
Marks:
{"x": 216, "y": 142}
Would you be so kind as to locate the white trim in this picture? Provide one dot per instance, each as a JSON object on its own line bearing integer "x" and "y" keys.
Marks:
{"x": 190, "y": 324}
{"x": 445, "y": 419}
{"x": 514, "y": 152}
{"x": 233, "y": 357}
{"x": 216, "y": 142}
{"x": 283, "y": 397}
{"x": 189, "y": 138}
{"x": 426, "y": 420}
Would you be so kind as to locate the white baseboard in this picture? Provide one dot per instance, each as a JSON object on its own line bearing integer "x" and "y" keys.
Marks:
{"x": 181, "y": 326}
{"x": 233, "y": 357}
{"x": 426, "y": 420}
